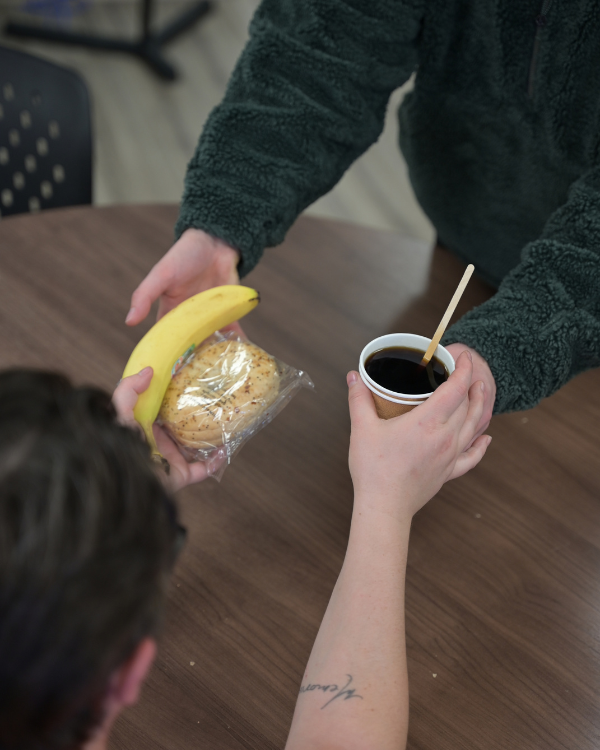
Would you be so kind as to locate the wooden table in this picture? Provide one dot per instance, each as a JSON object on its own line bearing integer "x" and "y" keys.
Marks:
{"x": 503, "y": 594}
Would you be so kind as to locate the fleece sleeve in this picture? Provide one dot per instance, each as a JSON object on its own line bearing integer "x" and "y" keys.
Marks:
{"x": 543, "y": 326}
{"x": 307, "y": 97}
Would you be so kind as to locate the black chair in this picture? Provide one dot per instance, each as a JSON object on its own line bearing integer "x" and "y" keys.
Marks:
{"x": 147, "y": 46}
{"x": 45, "y": 135}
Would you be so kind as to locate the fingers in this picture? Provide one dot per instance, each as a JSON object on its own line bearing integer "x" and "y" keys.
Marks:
{"x": 165, "y": 445}
{"x": 488, "y": 408}
{"x": 167, "y": 303}
{"x": 182, "y": 473}
{"x": 470, "y": 458}
{"x": 470, "y": 427}
{"x": 360, "y": 401}
{"x": 146, "y": 294}
{"x": 126, "y": 395}
{"x": 451, "y": 394}
{"x": 198, "y": 472}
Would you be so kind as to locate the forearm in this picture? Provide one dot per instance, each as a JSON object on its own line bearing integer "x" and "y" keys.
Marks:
{"x": 307, "y": 97}
{"x": 354, "y": 691}
{"x": 543, "y": 326}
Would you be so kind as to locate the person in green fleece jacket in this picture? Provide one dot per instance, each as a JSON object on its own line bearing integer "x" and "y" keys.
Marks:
{"x": 502, "y": 139}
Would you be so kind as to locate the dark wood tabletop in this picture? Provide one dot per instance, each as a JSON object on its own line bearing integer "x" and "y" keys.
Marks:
{"x": 503, "y": 586}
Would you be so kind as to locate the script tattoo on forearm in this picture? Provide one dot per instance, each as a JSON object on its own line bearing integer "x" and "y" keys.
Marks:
{"x": 345, "y": 692}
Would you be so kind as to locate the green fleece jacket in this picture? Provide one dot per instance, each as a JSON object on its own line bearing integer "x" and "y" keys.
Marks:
{"x": 501, "y": 135}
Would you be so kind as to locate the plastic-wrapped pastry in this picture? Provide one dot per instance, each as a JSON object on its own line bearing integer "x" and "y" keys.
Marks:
{"x": 224, "y": 393}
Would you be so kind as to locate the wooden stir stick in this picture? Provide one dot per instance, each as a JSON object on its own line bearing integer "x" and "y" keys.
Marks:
{"x": 447, "y": 315}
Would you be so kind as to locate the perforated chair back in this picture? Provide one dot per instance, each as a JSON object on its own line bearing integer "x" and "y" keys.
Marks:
{"x": 45, "y": 135}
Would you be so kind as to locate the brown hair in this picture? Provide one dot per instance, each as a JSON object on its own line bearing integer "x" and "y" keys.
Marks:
{"x": 86, "y": 543}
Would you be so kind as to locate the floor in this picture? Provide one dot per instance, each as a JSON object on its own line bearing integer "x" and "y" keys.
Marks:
{"x": 146, "y": 129}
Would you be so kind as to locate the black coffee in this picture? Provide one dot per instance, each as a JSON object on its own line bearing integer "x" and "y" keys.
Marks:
{"x": 399, "y": 369}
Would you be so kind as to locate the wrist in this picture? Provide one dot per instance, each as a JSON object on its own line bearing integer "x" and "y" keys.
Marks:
{"x": 228, "y": 250}
{"x": 227, "y": 259}
{"x": 371, "y": 517}
{"x": 199, "y": 236}
{"x": 396, "y": 503}
{"x": 219, "y": 259}
{"x": 377, "y": 550}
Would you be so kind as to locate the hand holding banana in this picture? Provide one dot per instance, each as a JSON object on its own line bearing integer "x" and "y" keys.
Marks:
{"x": 172, "y": 337}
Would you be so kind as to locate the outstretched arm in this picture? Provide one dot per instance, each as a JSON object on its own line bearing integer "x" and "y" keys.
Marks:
{"x": 354, "y": 692}
{"x": 543, "y": 326}
{"x": 307, "y": 97}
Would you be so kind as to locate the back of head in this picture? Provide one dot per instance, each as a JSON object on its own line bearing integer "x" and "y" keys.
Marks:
{"x": 86, "y": 544}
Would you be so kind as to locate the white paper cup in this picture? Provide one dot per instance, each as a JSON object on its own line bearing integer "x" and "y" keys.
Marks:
{"x": 389, "y": 403}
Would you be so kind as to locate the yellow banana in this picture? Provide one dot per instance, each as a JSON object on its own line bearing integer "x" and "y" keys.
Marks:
{"x": 175, "y": 335}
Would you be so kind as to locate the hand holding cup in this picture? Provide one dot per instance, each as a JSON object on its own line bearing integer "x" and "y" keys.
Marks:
{"x": 398, "y": 464}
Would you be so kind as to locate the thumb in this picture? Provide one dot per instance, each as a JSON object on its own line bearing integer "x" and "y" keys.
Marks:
{"x": 360, "y": 401}
{"x": 127, "y": 392}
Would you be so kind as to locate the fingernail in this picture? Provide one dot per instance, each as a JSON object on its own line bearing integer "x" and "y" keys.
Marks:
{"x": 482, "y": 386}
{"x": 130, "y": 315}
{"x": 145, "y": 371}
{"x": 489, "y": 440}
{"x": 351, "y": 378}
{"x": 469, "y": 355}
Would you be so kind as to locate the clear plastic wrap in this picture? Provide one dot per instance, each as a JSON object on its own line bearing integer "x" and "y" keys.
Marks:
{"x": 222, "y": 394}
